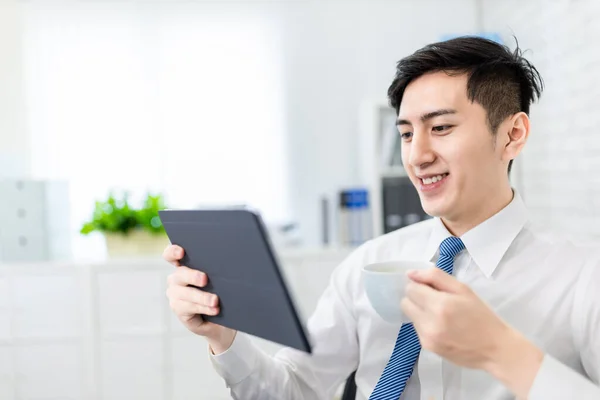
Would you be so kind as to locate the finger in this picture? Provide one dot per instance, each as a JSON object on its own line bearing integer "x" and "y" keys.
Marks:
{"x": 437, "y": 279}
{"x": 412, "y": 311}
{"x": 173, "y": 254}
{"x": 422, "y": 295}
{"x": 185, "y": 308}
{"x": 184, "y": 276}
{"x": 193, "y": 295}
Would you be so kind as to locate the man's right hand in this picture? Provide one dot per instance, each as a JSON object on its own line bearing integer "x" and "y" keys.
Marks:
{"x": 188, "y": 302}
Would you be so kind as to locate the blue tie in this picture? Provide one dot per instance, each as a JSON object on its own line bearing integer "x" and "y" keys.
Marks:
{"x": 393, "y": 380}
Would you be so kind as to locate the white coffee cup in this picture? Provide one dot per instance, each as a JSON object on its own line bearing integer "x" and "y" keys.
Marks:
{"x": 385, "y": 285}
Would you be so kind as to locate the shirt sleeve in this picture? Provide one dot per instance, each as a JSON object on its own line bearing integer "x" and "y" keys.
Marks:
{"x": 250, "y": 373}
{"x": 556, "y": 380}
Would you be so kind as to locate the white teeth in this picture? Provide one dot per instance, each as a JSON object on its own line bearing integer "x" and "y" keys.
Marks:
{"x": 433, "y": 179}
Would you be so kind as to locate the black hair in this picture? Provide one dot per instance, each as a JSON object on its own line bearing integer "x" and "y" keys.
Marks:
{"x": 502, "y": 81}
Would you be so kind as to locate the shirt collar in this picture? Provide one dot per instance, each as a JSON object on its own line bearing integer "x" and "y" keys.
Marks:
{"x": 488, "y": 242}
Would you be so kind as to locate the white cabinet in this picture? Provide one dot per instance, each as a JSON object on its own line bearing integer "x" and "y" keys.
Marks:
{"x": 131, "y": 302}
{"x": 131, "y": 331}
{"x": 42, "y": 352}
{"x": 175, "y": 326}
{"x": 7, "y": 378}
{"x": 7, "y": 390}
{"x": 132, "y": 369}
{"x": 5, "y": 324}
{"x": 46, "y": 306}
{"x": 49, "y": 371}
{"x": 105, "y": 332}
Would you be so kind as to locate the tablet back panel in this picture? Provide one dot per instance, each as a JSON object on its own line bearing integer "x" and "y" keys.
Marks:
{"x": 232, "y": 247}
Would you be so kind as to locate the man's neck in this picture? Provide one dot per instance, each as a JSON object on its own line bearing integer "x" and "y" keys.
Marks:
{"x": 461, "y": 225}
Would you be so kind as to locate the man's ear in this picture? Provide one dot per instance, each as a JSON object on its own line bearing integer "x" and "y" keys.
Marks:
{"x": 517, "y": 133}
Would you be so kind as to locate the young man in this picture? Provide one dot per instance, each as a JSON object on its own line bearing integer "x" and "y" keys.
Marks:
{"x": 511, "y": 311}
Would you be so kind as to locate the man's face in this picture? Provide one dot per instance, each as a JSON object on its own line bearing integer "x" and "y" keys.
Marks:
{"x": 450, "y": 154}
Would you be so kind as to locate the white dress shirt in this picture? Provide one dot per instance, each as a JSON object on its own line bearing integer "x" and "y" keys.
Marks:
{"x": 543, "y": 285}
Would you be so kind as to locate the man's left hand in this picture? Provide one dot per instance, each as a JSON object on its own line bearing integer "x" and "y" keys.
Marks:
{"x": 453, "y": 322}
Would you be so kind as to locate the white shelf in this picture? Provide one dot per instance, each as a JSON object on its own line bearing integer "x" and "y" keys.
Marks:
{"x": 372, "y": 172}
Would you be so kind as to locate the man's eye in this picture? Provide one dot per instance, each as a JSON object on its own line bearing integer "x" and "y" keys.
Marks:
{"x": 406, "y": 135}
{"x": 441, "y": 128}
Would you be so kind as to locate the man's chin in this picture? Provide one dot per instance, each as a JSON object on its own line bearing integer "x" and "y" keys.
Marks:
{"x": 434, "y": 210}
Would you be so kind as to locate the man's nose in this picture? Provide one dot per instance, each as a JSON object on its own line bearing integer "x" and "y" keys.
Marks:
{"x": 421, "y": 152}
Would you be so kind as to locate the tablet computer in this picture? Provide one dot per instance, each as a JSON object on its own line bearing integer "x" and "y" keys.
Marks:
{"x": 233, "y": 248}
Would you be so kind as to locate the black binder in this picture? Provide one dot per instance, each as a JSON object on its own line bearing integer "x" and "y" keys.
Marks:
{"x": 401, "y": 204}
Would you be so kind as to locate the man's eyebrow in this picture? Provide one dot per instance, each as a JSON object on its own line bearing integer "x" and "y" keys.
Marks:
{"x": 427, "y": 116}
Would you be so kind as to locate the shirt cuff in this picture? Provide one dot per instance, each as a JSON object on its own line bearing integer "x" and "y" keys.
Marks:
{"x": 238, "y": 362}
{"x": 557, "y": 381}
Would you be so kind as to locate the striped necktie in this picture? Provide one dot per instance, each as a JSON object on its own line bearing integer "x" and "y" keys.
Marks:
{"x": 399, "y": 368}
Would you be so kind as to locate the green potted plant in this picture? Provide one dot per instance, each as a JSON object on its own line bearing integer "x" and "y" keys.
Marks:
{"x": 129, "y": 231}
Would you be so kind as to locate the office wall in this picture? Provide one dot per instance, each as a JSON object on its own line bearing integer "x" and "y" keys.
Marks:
{"x": 560, "y": 164}
{"x": 339, "y": 54}
{"x": 14, "y": 142}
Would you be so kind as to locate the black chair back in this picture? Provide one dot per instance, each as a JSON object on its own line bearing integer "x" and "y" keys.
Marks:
{"x": 350, "y": 388}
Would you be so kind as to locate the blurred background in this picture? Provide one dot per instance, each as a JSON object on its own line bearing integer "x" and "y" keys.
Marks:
{"x": 113, "y": 110}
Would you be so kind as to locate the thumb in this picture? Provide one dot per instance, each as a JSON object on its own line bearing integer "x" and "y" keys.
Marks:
{"x": 437, "y": 279}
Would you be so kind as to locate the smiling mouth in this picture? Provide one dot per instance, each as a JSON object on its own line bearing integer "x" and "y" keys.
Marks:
{"x": 433, "y": 179}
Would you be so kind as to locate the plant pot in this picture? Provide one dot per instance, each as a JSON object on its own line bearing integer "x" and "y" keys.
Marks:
{"x": 138, "y": 243}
